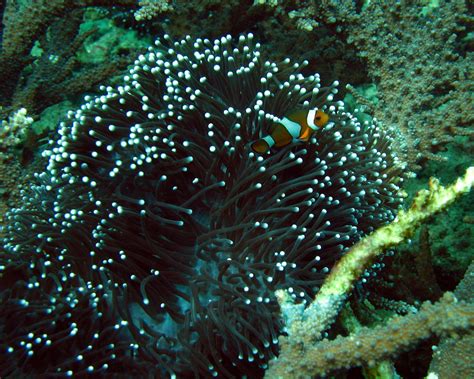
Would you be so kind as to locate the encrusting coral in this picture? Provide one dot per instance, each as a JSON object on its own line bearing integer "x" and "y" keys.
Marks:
{"x": 419, "y": 54}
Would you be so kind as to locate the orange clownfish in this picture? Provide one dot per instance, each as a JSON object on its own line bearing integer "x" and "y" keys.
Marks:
{"x": 299, "y": 125}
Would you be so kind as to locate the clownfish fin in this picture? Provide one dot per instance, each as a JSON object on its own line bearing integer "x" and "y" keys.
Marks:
{"x": 260, "y": 146}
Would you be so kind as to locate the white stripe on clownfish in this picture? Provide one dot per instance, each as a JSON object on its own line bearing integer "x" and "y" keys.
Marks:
{"x": 292, "y": 127}
{"x": 269, "y": 140}
{"x": 298, "y": 125}
{"x": 310, "y": 118}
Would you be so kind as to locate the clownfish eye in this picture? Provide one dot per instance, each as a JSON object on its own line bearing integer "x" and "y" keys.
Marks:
{"x": 318, "y": 117}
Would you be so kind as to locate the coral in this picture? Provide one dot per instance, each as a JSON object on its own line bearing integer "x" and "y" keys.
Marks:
{"x": 154, "y": 239}
{"x": 305, "y": 326}
{"x": 382, "y": 368}
{"x": 40, "y": 66}
{"x": 450, "y": 236}
{"x": 453, "y": 355}
{"x": 452, "y": 240}
{"x": 453, "y": 358}
{"x": 49, "y": 29}
{"x": 13, "y": 131}
{"x": 369, "y": 345}
{"x": 10, "y": 172}
{"x": 427, "y": 95}
{"x": 419, "y": 57}
{"x": 408, "y": 63}
{"x": 408, "y": 275}
{"x": 151, "y": 8}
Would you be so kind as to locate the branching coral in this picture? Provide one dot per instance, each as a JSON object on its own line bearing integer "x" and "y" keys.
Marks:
{"x": 454, "y": 353}
{"x": 151, "y": 8}
{"x": 305, "y": 328}
{"x": 370, "y": 345}
{"x": 13, "y": 131}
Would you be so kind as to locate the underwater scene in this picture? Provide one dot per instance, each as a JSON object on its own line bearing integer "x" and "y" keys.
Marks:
{"x": 236, "y": 189}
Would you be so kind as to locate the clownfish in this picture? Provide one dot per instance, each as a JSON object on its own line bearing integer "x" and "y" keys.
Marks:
{"x": 299, "y": 125}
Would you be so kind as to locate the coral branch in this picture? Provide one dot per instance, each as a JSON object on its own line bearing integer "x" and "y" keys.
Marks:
{"x": 454, "y": 354}
{"x": 304, "y": 328}
{"x": 369, "y": 345}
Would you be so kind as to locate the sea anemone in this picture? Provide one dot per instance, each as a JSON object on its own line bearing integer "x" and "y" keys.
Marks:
{"x": 155, "y": 238}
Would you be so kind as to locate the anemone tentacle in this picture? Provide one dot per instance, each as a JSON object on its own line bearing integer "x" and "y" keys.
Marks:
{"x": 155, "y": 238}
